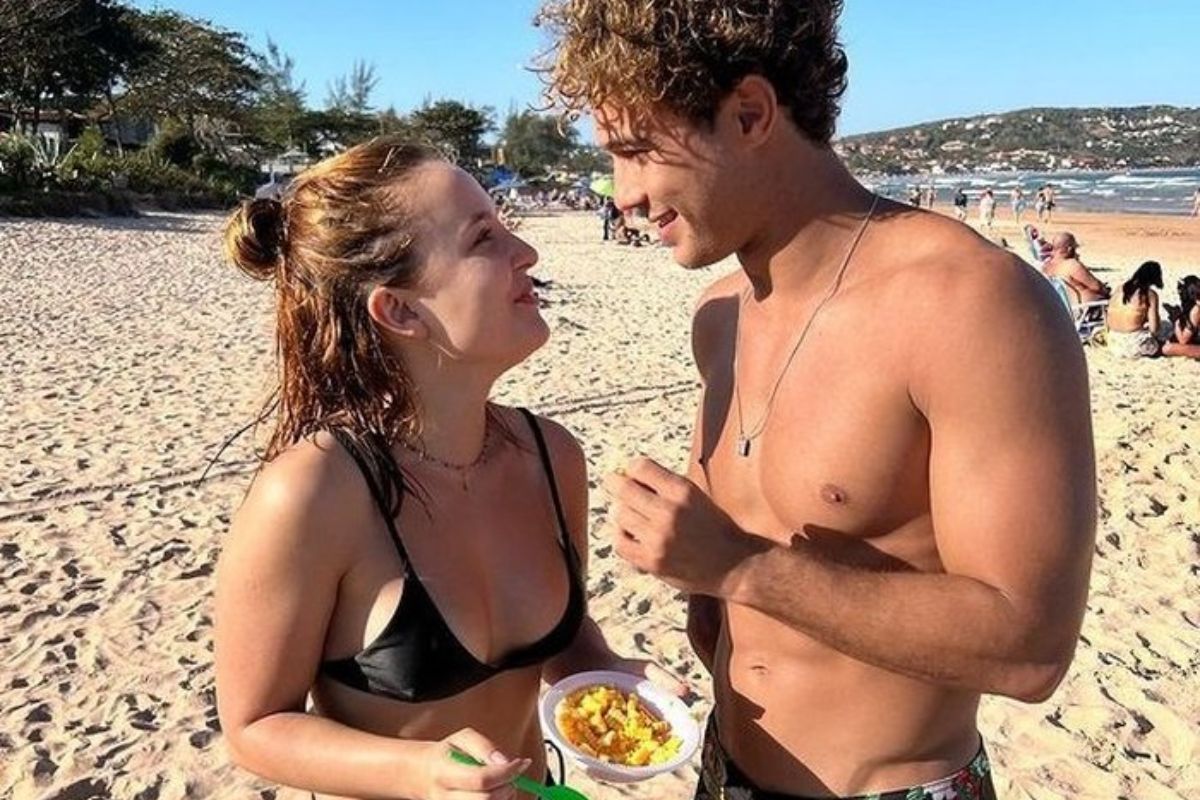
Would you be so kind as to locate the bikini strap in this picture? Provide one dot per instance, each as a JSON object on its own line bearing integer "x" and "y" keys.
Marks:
{"x": 350, "y": 445}
{"x": 564, "y": 531}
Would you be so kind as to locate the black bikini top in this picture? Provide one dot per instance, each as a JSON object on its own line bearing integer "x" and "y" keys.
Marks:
{"x": 417, "y": 658}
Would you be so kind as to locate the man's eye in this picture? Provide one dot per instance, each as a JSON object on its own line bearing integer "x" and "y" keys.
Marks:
{"x": 483, "y": 236}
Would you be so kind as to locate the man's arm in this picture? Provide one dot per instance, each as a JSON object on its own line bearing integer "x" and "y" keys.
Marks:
{"x": 1082, "y": 277}
{"x": 1012, "y": 485}
{"x": 589, "y": 650}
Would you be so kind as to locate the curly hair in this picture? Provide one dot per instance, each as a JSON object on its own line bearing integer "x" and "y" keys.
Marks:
{"x": 687, "y": 55}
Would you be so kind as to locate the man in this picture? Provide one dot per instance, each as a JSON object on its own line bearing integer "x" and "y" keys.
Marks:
{"x": 1018, "y": 204}
{"x": 960, "y": 205}
{"x": 1064, "y": 264}
{"x": 1050, "y": 202}
{"x": 889, "y": 507}
{"x": 610, "y": 215}
{"x": 1040, "y": 203}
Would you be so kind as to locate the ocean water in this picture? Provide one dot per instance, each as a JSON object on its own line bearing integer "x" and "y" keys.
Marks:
{"x": 1139, "y": 191}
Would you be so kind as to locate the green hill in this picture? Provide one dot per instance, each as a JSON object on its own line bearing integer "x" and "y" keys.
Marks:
{"x": 1033, "y": 139}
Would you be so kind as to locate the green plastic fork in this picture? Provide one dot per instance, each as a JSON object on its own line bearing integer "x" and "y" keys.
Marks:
{"x": 528, "y": 785}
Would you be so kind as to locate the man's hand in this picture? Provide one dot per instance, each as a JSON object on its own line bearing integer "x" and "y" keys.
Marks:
{"x": 666, "y": 526}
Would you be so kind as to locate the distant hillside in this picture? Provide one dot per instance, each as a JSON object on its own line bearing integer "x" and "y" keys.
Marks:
{"x": 1034, "y": 139}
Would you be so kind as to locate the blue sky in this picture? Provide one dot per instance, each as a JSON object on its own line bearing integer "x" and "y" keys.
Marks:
{"x": 910, "y": 60}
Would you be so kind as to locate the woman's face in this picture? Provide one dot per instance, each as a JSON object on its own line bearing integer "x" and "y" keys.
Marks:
{"x": 475, "y": 293}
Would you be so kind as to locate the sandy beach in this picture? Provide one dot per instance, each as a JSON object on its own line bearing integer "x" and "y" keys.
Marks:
{"x": 130, "y": 352}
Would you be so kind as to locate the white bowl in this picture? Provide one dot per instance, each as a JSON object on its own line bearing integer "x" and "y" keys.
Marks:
{"x": 661, "y": 702}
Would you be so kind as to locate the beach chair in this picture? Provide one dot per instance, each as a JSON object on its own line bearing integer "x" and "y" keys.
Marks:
{"x": 1089, "y": 318}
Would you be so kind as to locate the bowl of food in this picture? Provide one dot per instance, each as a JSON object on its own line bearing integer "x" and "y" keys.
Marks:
{"x": 619, "y": 727}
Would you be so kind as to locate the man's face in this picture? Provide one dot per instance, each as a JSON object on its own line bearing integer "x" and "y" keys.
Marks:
{"x": 685, "y": 178}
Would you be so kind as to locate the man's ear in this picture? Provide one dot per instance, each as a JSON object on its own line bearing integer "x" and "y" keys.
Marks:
{"x": 390, "y": 309}
{"x": 754, "y": 107}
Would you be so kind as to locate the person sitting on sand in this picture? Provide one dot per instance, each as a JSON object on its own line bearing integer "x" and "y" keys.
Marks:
{"x": 1135, "y": 325}
{"x": 410, "y": 555}
{"x": 1185, "y": 336}
{"x": 1064, "y": 265}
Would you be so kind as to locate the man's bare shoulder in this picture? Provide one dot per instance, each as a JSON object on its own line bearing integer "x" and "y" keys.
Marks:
{"x": 973, "y": 303}
{"x": 945, "y": 265}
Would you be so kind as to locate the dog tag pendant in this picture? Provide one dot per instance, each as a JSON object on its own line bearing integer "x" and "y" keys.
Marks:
{"x": 743, "y": 447}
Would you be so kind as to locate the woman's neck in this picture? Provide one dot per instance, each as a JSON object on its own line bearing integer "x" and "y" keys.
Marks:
{"x": 454, "y": 421}
{"x": 451, "y": 404}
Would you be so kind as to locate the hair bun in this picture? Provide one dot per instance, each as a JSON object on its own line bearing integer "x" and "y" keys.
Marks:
{"x": 254, "y": 238}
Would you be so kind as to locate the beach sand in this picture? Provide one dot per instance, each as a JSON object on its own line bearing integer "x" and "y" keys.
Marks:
{"x": 131, "y": 352}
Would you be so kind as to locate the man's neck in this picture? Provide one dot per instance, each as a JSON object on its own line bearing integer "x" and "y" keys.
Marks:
{"x": 812, "y": 208}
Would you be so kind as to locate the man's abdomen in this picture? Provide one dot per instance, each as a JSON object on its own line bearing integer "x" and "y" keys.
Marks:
{"x": 800, "y": 718}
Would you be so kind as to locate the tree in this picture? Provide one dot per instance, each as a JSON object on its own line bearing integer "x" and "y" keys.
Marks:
{"x": 279, "y": 112}
{"x": 54, "y": 51}
{"x": 535, "y": 143}
{"x": 456, "y": 128}
{"x": 337, "y": 129}
{"x": 351, "y": 94}
{"x": 199, "y": 72}
{"x": 588, "y": 159}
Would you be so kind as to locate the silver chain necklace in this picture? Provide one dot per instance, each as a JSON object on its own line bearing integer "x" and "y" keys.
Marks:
{"x": 744, "y": 439}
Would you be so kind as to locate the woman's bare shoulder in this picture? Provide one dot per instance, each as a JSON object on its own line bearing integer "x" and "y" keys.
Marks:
{"x": 304, "y": 494}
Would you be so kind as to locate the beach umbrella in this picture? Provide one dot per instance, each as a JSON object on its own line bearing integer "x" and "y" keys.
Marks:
{"x": 603, "y": 186}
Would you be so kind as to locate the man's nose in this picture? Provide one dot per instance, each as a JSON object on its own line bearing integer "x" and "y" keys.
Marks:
{"x": 627, "y": 192}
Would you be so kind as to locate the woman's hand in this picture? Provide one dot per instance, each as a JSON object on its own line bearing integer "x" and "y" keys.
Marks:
{"x": 446, "y": 779}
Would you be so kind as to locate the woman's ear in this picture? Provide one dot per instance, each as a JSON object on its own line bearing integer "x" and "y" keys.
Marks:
{"x": 390, "y": 309}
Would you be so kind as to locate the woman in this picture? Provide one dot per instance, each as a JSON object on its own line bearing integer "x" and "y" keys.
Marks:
{"x": 410, "y": 556}
{"x": 1185, "y": 338}
{"x": 1135, "y": 327}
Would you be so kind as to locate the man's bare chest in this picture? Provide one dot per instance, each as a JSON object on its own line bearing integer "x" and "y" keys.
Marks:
{"x": 840, "y": 455}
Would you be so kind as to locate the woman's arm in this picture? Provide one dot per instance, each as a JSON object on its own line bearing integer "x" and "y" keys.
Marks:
{"x": 277, "y": 587}
{"x": 1154, "y": 315}
{"x": 590, "y": 650}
